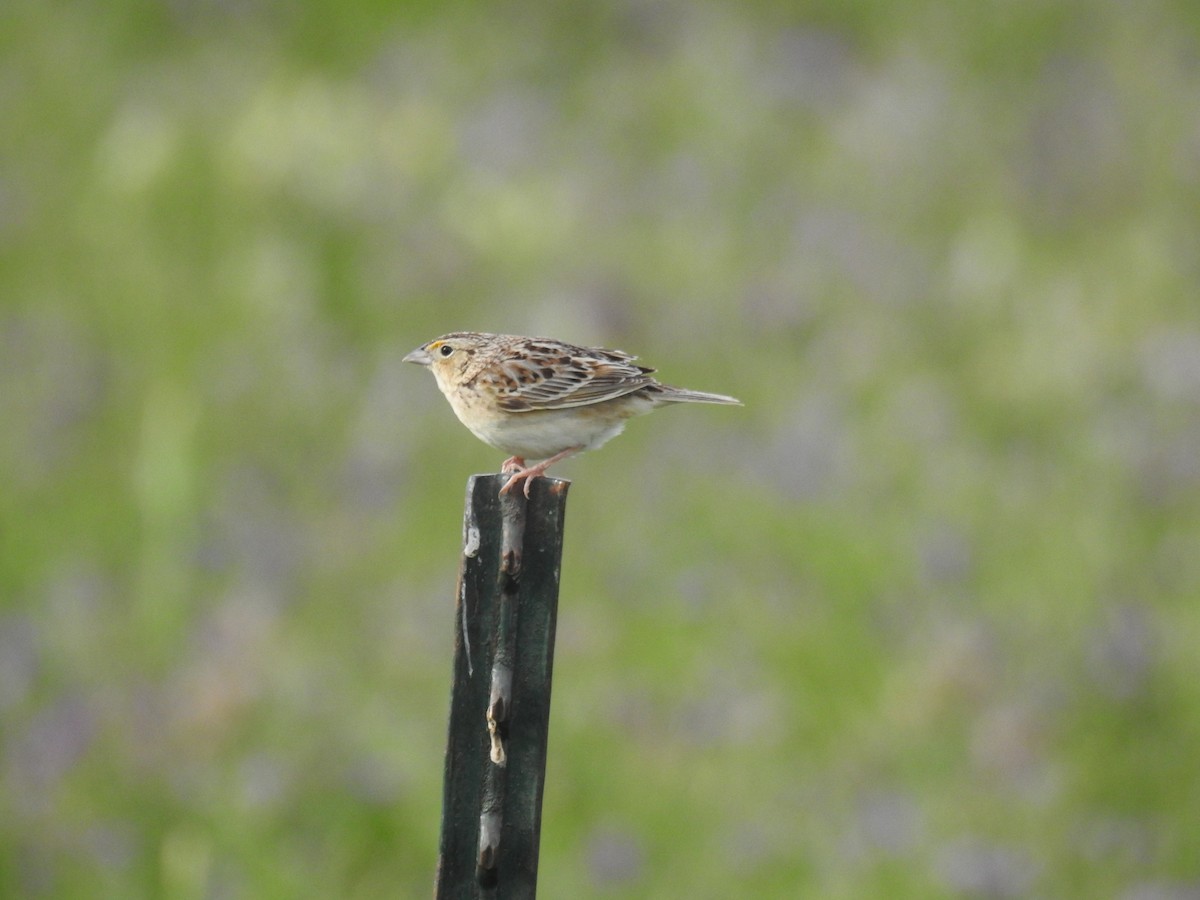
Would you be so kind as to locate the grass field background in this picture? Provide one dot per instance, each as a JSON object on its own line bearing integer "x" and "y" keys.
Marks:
{"x": 920, "y": 620}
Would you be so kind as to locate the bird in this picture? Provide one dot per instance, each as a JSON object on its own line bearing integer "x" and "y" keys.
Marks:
{"x": 541, "y": 399}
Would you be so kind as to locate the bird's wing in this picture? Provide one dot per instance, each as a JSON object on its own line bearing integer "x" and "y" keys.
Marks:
{"x": 533, "y": 381}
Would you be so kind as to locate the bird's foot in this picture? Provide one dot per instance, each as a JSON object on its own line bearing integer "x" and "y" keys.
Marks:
{"x": 527, "y": 474}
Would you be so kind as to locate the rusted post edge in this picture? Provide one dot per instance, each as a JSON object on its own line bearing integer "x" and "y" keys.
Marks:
{"x": 507, "y": 603}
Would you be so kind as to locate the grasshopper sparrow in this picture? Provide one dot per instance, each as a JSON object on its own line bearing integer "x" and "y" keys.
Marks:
{"x": 541, "y": 399}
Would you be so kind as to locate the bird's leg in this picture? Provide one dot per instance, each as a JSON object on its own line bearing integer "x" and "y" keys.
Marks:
{"x": 528, "y": 474}
{"x": 512, "y": 464}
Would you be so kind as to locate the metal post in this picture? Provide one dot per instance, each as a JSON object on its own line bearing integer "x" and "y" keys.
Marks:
{"x": 500, "y": 701}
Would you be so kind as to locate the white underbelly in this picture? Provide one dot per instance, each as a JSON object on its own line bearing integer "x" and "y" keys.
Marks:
{"x": 540, "y": 434}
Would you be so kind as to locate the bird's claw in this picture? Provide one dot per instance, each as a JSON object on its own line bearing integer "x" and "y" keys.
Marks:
{"x": 526, "y": 475}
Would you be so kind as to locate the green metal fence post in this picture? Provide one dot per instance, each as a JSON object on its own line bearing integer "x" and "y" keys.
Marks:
{"x": 500, "y": 700}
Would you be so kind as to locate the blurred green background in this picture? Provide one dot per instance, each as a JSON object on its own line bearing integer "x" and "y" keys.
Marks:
{"x": 919, "y": 620}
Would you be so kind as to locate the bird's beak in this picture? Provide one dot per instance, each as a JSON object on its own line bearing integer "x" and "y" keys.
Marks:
{"x": 420, "y": 356}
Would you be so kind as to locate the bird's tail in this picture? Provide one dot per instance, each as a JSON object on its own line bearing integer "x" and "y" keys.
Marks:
{"x": 683, "y": 395}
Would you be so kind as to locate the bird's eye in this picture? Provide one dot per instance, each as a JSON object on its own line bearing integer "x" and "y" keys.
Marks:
{"x": 445, "y": 350}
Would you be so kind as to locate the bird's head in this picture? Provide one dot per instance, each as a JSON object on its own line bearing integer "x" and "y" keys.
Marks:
{"x": 449, "y": 356}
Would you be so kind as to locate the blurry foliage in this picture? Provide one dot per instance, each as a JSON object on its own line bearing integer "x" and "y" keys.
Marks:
{"x": 919, "y": 621}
